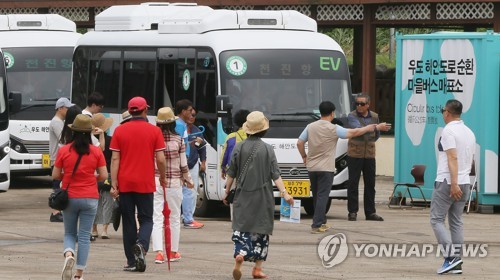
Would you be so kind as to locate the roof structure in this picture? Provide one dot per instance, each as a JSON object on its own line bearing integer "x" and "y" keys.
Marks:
{"x": 363, "y": 16}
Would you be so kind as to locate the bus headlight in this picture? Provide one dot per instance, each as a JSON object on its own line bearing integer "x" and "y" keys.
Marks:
{"x": 17, "y": 148}
{"x": 4, "y": 150}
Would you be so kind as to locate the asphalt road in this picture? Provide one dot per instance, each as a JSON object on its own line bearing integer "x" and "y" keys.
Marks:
{"x": 31, "y": 246}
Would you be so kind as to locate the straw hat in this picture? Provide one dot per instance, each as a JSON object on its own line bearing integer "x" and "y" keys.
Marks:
{"x": 82, "y": 123}
{"x": 256, "y": 122}
{"x": 100, "y": 121}
{"x": 165, "y": 115}
{"x": 126, "y": 116}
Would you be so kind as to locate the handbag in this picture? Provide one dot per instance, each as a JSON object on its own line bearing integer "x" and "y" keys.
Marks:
{"x": 232, "y": 192}
{"x": 116, "y": 214}
{"x": 59, "y": 198}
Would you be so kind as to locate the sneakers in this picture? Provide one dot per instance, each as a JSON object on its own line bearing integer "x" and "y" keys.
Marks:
{"x": 326, "y": 226}
{"x": 139, "y": 253}
{"x": 352, "y": 216}
{"x": 318, "y": 230}
{"x": 159, "y": 259}
{"x": 175, "y": 256}
{"x": 374, "y": 217}
{"x": 456, "y": 270}
{"x": 194, "y": 225}
{"x": 129, "y": 268}
{"x": 449, "y": 264}
{"x": 57, "y": 218}
{"x": 67, "y": 271}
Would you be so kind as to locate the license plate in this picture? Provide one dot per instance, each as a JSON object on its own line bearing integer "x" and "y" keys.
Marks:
{"x": 46, "y": 161}
{"x": 298, "y": 188}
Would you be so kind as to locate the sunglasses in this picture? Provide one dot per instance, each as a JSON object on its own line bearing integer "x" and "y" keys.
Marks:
{"x": 193, "y": 115}
{"x": 443, "y": 110}
{"x": 360, "y": 104}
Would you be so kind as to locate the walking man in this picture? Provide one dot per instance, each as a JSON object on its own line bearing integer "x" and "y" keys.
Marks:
{"x": 133, "y": 178}
{"x": 322, "y": 137}
{"x": 95, "y": 103}
{"x": 183, "y": 110}
{"x": 55, "y": 129}
{"x": 361, "y": 157}
{"x": 196, "y": 163}
{"x": 456, "y": 148}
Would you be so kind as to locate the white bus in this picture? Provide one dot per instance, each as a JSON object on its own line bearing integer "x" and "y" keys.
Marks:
{"x": 272, "y": 61}
{"x": 38, "y": 50}
{"x": 4, "y": 130}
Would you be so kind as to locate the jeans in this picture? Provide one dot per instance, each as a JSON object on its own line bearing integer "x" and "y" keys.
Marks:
{"x": 129, "y": 201}
{"x": 190, "y": 195}
{"x": 80, "y": 211}
{"x": 321, "y": 184}
{"x": 441, "y": 205}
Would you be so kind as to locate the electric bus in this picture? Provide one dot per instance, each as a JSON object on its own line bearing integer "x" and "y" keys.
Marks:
{"x": 223, "y": 61}
{"x": 4, "y": 130}
{"x": 38, "y": 50}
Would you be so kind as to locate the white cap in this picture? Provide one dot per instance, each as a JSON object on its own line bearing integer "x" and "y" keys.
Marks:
{"x": 63, "y": 102}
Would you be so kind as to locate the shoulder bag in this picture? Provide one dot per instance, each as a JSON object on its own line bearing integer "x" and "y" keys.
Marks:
{"x": 232, "y": 192}
{"x": 59, "y": 198}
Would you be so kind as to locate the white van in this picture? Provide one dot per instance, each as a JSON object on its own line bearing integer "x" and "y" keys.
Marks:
{"x": 272, "y": 61}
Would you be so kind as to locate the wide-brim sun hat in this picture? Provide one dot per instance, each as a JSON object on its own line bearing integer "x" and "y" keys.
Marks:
{"x": 125, "y": 116}
{"x": 82, "y": 123}
{"x": 165, "y": 115}
{"x": 256, "y": 122}
{"x": 100, "y": 121}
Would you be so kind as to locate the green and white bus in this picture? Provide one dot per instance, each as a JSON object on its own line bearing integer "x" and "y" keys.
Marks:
{"x": 4, "y": 130}
{"x": 271, "y": 61}
{"x": 38, "y": 49}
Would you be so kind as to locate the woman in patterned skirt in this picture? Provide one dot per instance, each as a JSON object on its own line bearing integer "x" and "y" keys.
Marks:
{"x": 254, "y": 164}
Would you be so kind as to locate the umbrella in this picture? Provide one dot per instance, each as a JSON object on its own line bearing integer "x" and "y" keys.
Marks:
{"x": 166, "y": 227}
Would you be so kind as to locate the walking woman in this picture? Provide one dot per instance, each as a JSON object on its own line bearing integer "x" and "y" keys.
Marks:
{"x": 105, "y": 205}
{"x": 75, "y": 165}
{"x": 177, "y": 173}
{"x": 254, "y": 165}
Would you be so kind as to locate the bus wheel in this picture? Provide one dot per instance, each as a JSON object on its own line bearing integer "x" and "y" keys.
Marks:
{"x": 308, "y": 206}
{"x": 204, "y": 207}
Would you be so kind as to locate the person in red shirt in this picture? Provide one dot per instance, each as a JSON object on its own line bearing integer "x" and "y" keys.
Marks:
{"x": 76, "y": 164}
{"x": 135, "y": 145}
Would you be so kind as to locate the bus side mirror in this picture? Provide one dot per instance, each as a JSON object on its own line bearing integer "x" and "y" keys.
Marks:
{"x": 15, "y": 98}
{"x": 224, "y": 107}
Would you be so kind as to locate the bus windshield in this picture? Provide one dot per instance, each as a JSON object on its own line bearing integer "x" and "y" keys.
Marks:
{"x": 287, "y": 85}
{"x": 40, "y": 74}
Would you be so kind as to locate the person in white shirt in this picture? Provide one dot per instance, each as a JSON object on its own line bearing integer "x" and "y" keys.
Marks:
{"x": 456, "y": 148}
{"x": 95, "y": 103}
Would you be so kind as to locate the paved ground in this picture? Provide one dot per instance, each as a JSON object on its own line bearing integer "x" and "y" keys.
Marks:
{"x": 30, "y": 246}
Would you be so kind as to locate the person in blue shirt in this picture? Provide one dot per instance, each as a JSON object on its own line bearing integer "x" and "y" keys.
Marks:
{"x": 196, "y": 163}
{"x": 183, "y": 109}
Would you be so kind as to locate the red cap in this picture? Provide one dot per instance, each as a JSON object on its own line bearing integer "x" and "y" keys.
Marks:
{"x": 137, "y": 104}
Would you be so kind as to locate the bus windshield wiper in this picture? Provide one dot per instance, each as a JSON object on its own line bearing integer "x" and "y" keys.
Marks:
{"x": 310, "y": 114}
{"x": 33, "y": 106}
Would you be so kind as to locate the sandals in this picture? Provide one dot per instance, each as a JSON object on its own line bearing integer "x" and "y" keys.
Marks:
{"x": 237, "y": 271}
{"x": 258, "y": 274}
